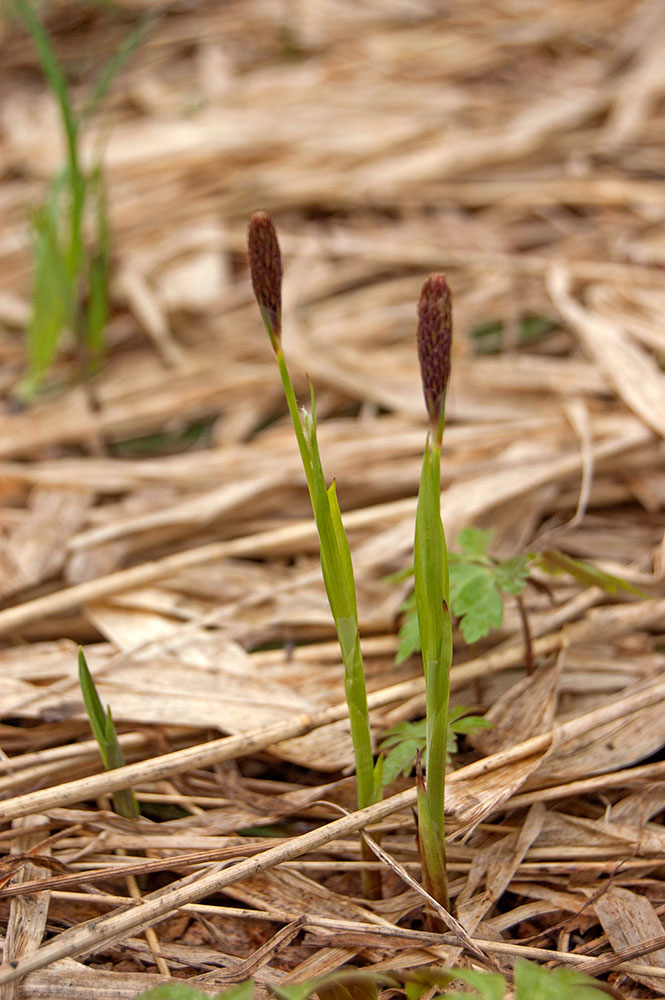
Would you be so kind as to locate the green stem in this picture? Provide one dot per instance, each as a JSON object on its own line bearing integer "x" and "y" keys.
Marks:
{"x": 437, "y": 681}
{"x": 292, "y": 404}
{"x": 432, "y": 599}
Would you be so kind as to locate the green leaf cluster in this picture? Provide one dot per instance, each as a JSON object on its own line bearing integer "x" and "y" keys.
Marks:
{"x": 479, "y": 584}
{"x": 403, "y": 742}
{"x": 532, "y": 982}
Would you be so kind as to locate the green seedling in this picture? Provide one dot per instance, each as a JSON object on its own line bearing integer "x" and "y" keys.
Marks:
{"x": 70, "y": 229}
{"x": 104, "y": 731}
{"x": 265, "y": 264}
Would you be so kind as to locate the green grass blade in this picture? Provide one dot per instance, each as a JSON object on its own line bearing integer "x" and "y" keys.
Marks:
{"x": 57, "y": 82}
{"x": 124, "y": 800}
{"x": 337, "y": 569}
{"x": 93, "y": 706}
{"x": 51, "y": 297}
{"x": 554, "y": 561}
{"x": 104, "y": 731}
{"x": 54, "y": 76}
{"x": 115, "y": 64}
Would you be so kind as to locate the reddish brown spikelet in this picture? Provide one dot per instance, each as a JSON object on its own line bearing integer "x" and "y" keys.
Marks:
{"x": 265, "y": 268}
{"x": 435, "y": 334}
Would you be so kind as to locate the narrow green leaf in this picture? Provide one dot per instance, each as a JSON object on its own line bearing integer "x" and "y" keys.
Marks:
{"x": 51, "y": 295}
{"x": 54, "y": 75}
{"x": 115, "y": 64}
{"x": 553, "y": 561}
{"x": 337, "y": 570}
{"x": 343, "y": 567}
{"x": 104, "y": 731}
{"x": 93, "y": 707}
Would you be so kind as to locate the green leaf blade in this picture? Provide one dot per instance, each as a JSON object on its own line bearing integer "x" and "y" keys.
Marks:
{"x": 93, "y": 707}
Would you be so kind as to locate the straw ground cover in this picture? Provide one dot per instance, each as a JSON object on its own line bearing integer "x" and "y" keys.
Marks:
{"x": 157, "y": 515}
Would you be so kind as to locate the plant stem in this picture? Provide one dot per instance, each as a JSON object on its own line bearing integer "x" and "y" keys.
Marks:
{"x": 292, "y": 404}
{"x": 265, "y": 265}
{"x": 432, "y": 600}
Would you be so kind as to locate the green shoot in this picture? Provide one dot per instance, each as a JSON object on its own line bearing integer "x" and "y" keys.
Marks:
{"x": 403, "y": 742}
{"x": 265, "y": 266}
{"x": 104, "y": 731}
{"x": 431, "y": 586}
{"x": 70, "y": 277}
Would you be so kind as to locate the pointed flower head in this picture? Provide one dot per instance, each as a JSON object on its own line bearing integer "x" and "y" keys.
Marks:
{"x": 435, "y": 332}
{"x": 265, "y": 268}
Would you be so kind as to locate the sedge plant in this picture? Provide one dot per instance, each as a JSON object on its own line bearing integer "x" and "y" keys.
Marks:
{"x": 265, "y": 265}
{"x": 70, "y": 229}
{"x": 431, "y": 585}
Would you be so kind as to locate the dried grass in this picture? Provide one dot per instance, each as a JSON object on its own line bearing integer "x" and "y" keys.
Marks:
{"x": 157, "y": 513}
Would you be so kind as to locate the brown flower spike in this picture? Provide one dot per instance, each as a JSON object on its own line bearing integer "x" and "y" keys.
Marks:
{"x": 265, "y": 268}
{"x": 435, "y": 334}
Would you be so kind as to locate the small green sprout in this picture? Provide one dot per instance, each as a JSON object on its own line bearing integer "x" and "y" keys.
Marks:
{"x": 104, "y": 731}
